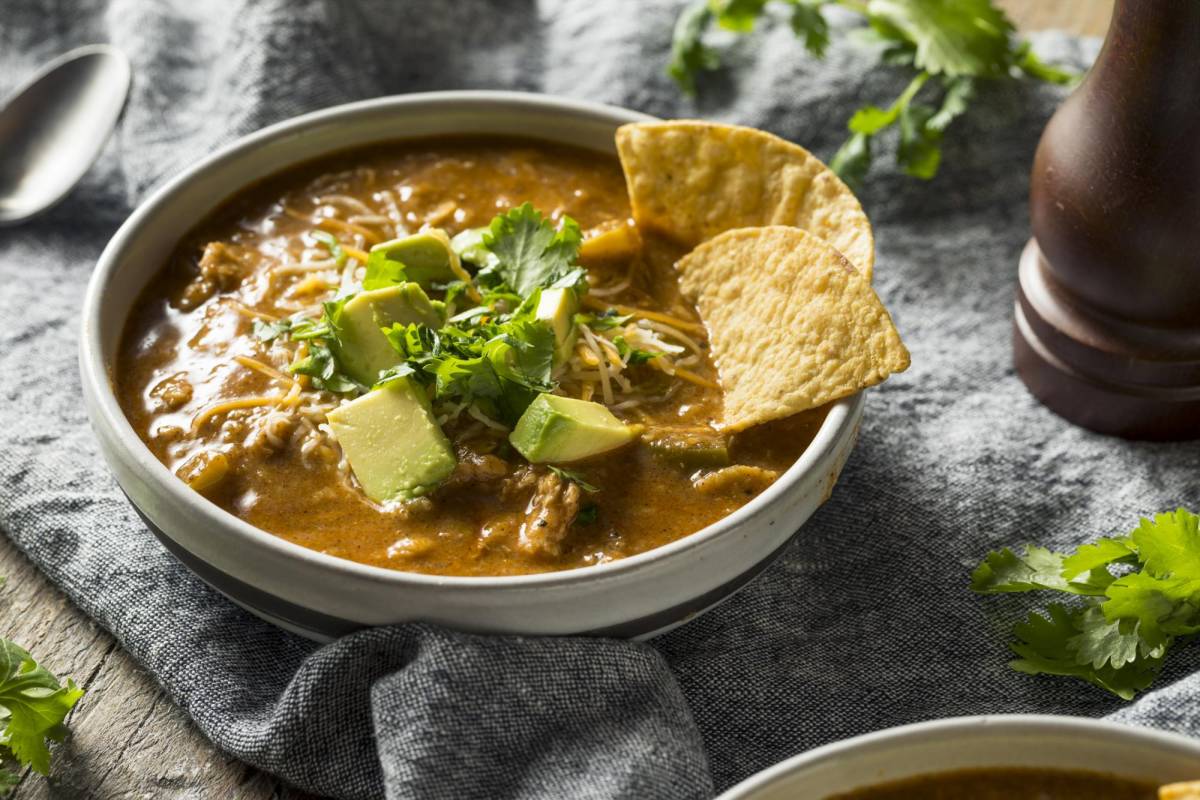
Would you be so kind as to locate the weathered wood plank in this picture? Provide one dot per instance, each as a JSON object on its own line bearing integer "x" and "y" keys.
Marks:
{"x": 127, "y": 739}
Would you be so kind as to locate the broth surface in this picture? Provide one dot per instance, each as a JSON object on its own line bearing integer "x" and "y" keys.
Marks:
{"x": 190, "y": 347}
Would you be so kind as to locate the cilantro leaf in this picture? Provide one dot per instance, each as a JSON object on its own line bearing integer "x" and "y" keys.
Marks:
{"x": 1003, "y": 571}
{"x": 1101, "y": 642}
{"x": 1119, "y": 638}
{"x": 853, "y": 159}
{"x": 469, "y": 246}
{"x": 574, "y": 477}
{"x": 920, "y": 151}
{"x": 632, "y": 355}
{"x": 808, "y": 23}
{"x": 1093, "y": 556}
{"x": 737, "y": 15}
{"x": 530, "y": 253}
{"x": 689, "y": 54}
{"x": 1027, "y": 62}
{"x": 322, "y": 369}
{"x": 1046, "y": 643}
{"x": 504, "y": 365}
{"x": 604, "y": 320}
{"x": 951, "y": 37}
{"x": 33, "y": 705}
{"x": 959, "y": 94}
{"x": 1170, "y": 544}
{"x": 382, "y": 271}
{"x": 269, "y": 331}
{"x": 1161, "y": 607}
{"x": 332, "y": 244}
{"x": 955, "y": 41}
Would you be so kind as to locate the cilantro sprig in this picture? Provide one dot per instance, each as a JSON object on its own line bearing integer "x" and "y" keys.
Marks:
{"x": 493, "y": 356}
{"x": 1137, "y": 596}
{"x": 33, "y": 706}
{"x": 948, "y": 45}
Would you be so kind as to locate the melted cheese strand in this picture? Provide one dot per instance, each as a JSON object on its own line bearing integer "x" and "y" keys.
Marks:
{"x": 605, "y": 386}
{"x": 335, "y": 225}
{"x": 233, "y": 405}
{"x": 600, "y": 305}
{"x": 265, "y": 369}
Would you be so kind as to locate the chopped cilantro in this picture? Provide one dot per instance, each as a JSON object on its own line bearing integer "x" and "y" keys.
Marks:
{"x": 955, "y": 42}
{"x": 322, "y": 368}
{"x": 498, "y": 366}
{"x": 530, "y": 253}
{"x": 587, "y": 515}
{"x": 33, "y": 706}
{"x": 632, "y": 355}
{"x": 575, "y": 478}
{"x": 689, "y": 53}
{"x": 1119, "y": 635}
{"x": 334, "y": 246}
{"x": 382, "y": 271}
{"x": 604, "y": 320}
{"x": 269, "y": 331}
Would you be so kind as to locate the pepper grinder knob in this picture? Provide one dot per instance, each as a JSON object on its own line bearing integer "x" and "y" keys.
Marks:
{"x": 1107, "y": 327}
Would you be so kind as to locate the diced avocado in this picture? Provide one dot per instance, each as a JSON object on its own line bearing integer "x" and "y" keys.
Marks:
{"x": 557, "y": 309}
{"x": 619, "y": 240}
{"x": 393, "y": 443}
{"x": 469, "y": 246}
{"x": 363, "y": 349}
{"x": 426, "y": 256}
{"x": 557, "y": 430}
{"x": 690, "y": 450}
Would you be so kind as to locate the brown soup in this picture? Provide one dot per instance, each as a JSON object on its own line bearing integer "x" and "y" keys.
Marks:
{"x": 204, "y": 391}
{"x": 1009, "y": 784}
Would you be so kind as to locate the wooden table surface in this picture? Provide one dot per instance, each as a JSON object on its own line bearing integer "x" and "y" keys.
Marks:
{"x": 128, "y": 740}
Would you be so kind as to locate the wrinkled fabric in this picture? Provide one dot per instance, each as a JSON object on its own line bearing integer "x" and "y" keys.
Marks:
{"x": 864, "y": 623}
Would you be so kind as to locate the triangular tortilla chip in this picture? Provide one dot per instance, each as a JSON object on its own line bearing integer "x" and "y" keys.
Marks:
{"x": 791, "y": 323}
{"x": 693, "y": 180}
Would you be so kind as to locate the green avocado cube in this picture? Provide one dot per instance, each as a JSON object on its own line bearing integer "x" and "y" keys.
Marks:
{"x": 557, "y": 430}
{"x": 363, "y": 349}
{"x": 557, "y": 308}
{"x": 426, "y": 256}
{"x": 394, "y": 445}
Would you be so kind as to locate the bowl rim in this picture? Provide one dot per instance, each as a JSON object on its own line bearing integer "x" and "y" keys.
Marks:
{"x": 960, "y": 726}
{"x": 106, "y": 411}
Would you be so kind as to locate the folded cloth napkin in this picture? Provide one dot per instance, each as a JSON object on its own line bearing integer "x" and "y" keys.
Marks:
{"x": 864, "y": 623}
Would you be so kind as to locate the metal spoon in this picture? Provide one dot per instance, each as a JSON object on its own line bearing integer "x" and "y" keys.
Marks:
{"x": 54, "y": 127}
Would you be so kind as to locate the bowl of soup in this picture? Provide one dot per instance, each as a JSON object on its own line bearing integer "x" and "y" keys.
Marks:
{"x": 990, "y": 758}
{"x": 411, "y": 359}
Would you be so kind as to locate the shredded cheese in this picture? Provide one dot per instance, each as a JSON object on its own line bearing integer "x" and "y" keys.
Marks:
{"x": 599, "y": 305}
{"x": 233, "y": 405}
{"x": 245, "y": 310}
{"x": 605, "y": 387}
{"x": 265, "y": 369}
{"x": 692, "y": 377}
{"x": 335, "y": 225}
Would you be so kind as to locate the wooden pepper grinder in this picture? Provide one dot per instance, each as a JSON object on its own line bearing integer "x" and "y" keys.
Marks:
{"x": 1107, "y": 328}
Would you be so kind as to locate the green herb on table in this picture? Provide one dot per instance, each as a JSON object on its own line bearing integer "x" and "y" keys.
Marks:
{"x": 33, "y": 705}
{"x": 947, "y": 45}
{"x": 1133, "y": 598}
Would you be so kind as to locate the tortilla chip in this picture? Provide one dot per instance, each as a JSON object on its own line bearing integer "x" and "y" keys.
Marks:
{"x": 1180, "y": 791}
{"x": 693, "y": 180}
{"x": 792, "y": 324}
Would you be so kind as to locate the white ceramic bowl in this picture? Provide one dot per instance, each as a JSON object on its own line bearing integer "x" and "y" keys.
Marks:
{"x": 323, "y": 596}
{"x": 1048, "y": 742}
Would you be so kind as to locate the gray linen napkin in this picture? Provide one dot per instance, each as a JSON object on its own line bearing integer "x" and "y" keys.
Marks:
{"x": 865, "y": 622}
